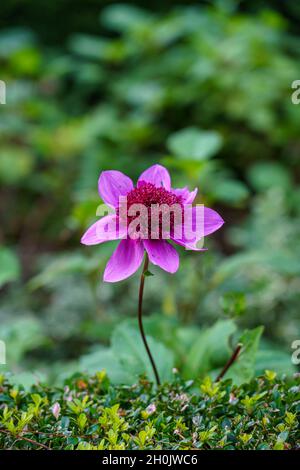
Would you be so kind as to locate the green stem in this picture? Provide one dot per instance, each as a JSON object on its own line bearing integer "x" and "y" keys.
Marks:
{"x": 140, "y": 314}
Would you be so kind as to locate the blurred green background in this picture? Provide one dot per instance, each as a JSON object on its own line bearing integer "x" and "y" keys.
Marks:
{"x": 201, "y": 87}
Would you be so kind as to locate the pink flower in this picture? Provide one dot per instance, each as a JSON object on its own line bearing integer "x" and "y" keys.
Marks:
{"x": 151, "y": 409}
{"x": 153, "y": 188}
{"x": 56, "y": 410}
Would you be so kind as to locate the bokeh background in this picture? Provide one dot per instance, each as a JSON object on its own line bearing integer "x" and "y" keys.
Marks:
{"x": 201, "y": 87}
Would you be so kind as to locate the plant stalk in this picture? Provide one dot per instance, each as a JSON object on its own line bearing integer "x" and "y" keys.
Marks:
{"x": 231, "y": 361}
{"x": 140, "y": 314}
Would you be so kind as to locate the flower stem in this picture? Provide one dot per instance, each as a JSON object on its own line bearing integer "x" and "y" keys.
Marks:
{"x": 140, "y": 313}
{"x": 228, "y": 364}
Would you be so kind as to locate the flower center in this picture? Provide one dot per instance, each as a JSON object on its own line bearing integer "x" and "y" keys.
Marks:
{"x": 148, "y": 194}
{"x": 152, "y": 212}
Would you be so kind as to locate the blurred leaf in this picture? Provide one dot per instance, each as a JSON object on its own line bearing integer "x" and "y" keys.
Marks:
{"x": 283, "y": 262}
{"x": 15, "y": 164}
{"x": 105, "y": 359}
{"x": 88, "y": 46}
{"x": 264, "y": 176}
{"x": 128, "y": 347}
{"x": 68, "y": 264}
{"x": 194, "y": 144}
{"x": 21, "y": 335}
{"x": 243, "y": 369}
{"x": 28, "y": 379}
{"x": 127, "y": 359}
{"x": 275, "y": 360}
{"x": 14, "y": 39}
{"x": 233, "y": 303}
{"x": 26, "y": 61}
{"x": 122, "y": 17}
{"x": 210, "y": 349}
{"x": 9, "y": 266}
{"x": 230, "y": 191}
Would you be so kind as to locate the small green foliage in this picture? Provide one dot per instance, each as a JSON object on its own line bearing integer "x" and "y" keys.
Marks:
{"x": 270, "y": 375}
{"x": 209, "y": 388}
{"x": 94, "y": 415}
{"x": 148, "y": 273}
{"x": 233, "y": 303}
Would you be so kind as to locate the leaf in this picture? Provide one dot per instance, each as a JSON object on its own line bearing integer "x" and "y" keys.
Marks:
{"x": 148, "y": 273}
{"x": 283, "y": 263}
{"x": 243, "y": 369}
{"x": 123, "y": 17}
{"x": 275, "y": 360}
{"x": 128, "y": 347}
{"x": 21, "y": 335}
{"x": 233, "y": 303}
{"x": 28, "y": 379}
{"x": 127, "y": 359}
{"x": 266, "y": 175}
{"x": 194, "y": 144}
{"x": 105, "y": 359}
{"x": 9, "y": 266}
{"x": 15, "y": 164}
{"x": 88, "y": 46}
{"x": 62, "y": 266}
{"x": 230, "y": 191}
{"x": 210, "y": 349}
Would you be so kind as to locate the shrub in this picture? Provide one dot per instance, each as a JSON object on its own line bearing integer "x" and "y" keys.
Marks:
{"x": 88, "y": 413}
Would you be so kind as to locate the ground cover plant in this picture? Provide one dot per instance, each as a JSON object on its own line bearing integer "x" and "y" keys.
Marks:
{"x": 91, "y": 414}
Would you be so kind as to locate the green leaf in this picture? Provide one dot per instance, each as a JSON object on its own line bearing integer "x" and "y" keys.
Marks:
{"x": 266, "y": 175}
{"x": 15, "y": 164}
{"x": 62, "y": 266}
{"x": 194, "y": 144}
{"x": 233, "y": 303}
{"x": 28, "y": 379}
{"x": 129, "y": 349}
{"x": 230, "y": 191}
{"x": 123, "y": 17}
{"x": 148, "y": 273}
{"x": 22, "y": 334}
{"x": 127, "y": 359}
{"x": 210, "y": 349}
{"x": 275, "y": 360}
{"x": 243, "y": 369}
{"x": 105, "y": 359}
{"x": 88, "y": 46}
{"x": 9, "y": 266}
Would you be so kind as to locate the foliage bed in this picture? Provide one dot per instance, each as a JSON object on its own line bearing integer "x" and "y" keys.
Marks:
{"x": 88, "y": 413}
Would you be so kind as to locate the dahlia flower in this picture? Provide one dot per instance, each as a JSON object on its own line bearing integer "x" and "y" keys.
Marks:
{"x": 152, "y": 192}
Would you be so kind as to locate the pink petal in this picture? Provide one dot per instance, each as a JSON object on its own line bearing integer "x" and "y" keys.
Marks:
{"x": 212, "y": 221}
{"x": 105, "y": 229}
{"x": 186, "y": 195}
{"x": 209, "y": 221}
{"x": 189, "y": 244}
{"x": 112, "y": 184}
{"x": 125, "y": 260}
{"x": 162, "y": 254}
{"x": 157, "y": 175}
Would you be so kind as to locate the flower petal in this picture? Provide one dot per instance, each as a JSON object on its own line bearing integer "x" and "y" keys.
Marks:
{"x": 105, "y": 229}
{"x": 208, "y": 222}
{"x": 112, "y": 184}
{"x": 125, "y": 260}
{"x": 162, "y": 254}
{"x": 157, "y": 175}
{"x": 194, "y": 245}
{"x": 186, "y": 195}
{"x": 212, "y": 221}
